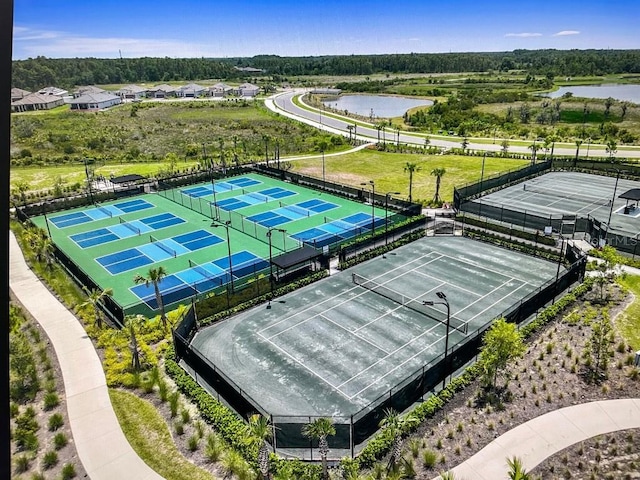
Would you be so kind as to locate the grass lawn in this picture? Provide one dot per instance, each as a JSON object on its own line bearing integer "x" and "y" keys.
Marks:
{"x": 149, "y": 435}
{"x": 387, "y": 170}
{"x": 41, "y": 178}
{"x": 628, "y": 322}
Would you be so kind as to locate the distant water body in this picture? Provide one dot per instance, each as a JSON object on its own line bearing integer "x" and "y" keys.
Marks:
{"x": 627, "y": 93}
{"x": 376, "y": 105}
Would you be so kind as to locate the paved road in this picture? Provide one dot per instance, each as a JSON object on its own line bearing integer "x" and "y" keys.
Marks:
{"x": 102, "y": 447}
{"x": 283, "y": 104}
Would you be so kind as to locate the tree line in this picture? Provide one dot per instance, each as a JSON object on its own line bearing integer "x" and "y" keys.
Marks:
{"x": 38, "y": 72}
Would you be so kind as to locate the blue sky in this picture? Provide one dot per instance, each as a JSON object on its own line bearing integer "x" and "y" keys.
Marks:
{"x": 231, "y": 28}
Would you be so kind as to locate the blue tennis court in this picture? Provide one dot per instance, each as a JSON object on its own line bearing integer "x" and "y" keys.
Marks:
{"x": 277, "y": 192}
{"x": 317, "y": 205}
{"x": 125, "y": 230}
{"x": 269, "y": 219}
{"x": 338, "y": 230}
{"x": 157, "y": 250}
{"x": 243, "y": 182}
{"x": 100, "y": 212}
{"x": 200, "y": 278}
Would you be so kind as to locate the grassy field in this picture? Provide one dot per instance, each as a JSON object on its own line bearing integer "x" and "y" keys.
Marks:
{"x": 43, "y": 178}
{"x": 628, "y": 322}
{"x": 387, "y": 171}
{"x": 149, "y": 435}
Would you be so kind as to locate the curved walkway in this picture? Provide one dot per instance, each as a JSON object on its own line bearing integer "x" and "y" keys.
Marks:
{"x": 102, "y": 447}
{"x": 543, "y": 436}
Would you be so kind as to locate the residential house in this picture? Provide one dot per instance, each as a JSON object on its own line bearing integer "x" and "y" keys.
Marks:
{"x": 87, "y": 90}
{"x": 131, "y": 92}
{"x": 247, "y": 90}
{"x": 18, "y": 93}
{"x": 162, "y": 91}
{"x": 220, "y": 90}
{"x": 36, "y": 101}
{"x": 95, "y": 101}
{"x": 192, "y": 90}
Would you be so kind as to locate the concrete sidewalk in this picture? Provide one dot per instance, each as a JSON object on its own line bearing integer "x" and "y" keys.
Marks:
{"x": 539, "y": 438}
{"x": 101, "y": 445}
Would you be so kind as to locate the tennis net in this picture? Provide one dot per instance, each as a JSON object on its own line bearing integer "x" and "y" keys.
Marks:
{"x": 131, "y": 227}
{"x": 567, "y": 195}
{"x": 300, "y": 211}
{"x": 405, "y": 301}
{"x": 206, "y": 274}
{"x": 258, "y": 196}
{"x": 162, "y": 246}
{"x": 104, "y": 210}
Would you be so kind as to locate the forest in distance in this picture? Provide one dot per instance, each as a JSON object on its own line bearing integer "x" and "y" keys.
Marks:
{"x": 34, "y": 73}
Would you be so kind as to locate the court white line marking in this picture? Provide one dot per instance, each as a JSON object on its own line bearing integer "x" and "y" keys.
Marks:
{"x": 457, "y": 287}
{"x": 406, "y": 344}
{"x": 331, "y": 299}
{"x": 355, "y": 334}
{"x": 495, "y": 303}
{"x": 493, "y": 291}
{"x": 337, "y": 389}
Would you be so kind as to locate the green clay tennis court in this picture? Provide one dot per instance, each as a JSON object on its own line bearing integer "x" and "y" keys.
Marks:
{"x": 205, "y": 236}
{"x": 334, "y": 347}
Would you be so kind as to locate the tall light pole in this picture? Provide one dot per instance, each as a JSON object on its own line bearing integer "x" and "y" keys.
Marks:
{"x": 271, "y": 282}
{"x": 444, "y": 302}
{"x": 372, "y": 184}
{"x": 226, "y": 226}
{"x": 386, "y": 214}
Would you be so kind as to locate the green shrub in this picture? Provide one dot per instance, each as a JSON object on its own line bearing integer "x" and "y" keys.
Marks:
{"x": 214, "y": 448}
{"x": 51, "y": 400}
{"x": 22, "y": 463}
{"x": 429, "y": 458}
{"x": 60, "y": 441}
{"x": 163, "y": 390}
{"x": 178, "y": 426}
{"x": 37, "y": 476}
{"x": 50, "y": 460}
{"x": 185, "y": 415}
{"x": 14, "y": 410}
{"x": 68, "y": 471}
{"x": 55, "y": 422}
{"x": 193, "y": 443}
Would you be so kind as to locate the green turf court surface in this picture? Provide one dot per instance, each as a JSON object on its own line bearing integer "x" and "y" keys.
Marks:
{"x": 332, "y": 348}
{"x": 570, "y": 193}
{"x": 115, "y": 241}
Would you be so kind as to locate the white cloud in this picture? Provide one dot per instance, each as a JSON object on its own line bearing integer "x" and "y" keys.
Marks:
{"x": 523, "y": 35}
{"x": 566, "y": 32}
{"x": 29, "y": 42}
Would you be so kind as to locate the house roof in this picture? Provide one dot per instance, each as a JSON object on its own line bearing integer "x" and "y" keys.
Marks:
{"x": 192, "y": 86}
{"x": 296, "y": 257}
{"x": 37, "y": 98}
{"x": 132, "y": 89}
{"x": 52, "y": 91}
{"x": 249, "y": 86}
{"x": 87, "y": 89}
{"x": 164, "y": 87}
{"x": 220, "y": 86}
{"x": 95, "y": 98}
{"x": 18, "y": 92}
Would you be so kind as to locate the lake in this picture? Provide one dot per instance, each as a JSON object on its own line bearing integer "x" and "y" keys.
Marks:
{"x": 382, "y": 106}
{"x": 629, "y": 93}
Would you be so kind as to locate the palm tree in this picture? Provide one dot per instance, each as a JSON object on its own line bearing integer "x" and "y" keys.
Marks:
{"x": 411, "y": 168}
{"x": 131, "y": 325}
{"x": 505, "y": 147}
{"x": 578, "y": 143}
{"x": 259, "y": 433}
{"x": 319, "y": 430}
{"x": 464, "y": 144}
{"x": 395, "y": 426}
{"x": 350, "y": 128}
{"x": 20, "y": 192}
{"x": 379, "y": 126}
{"x": 94, "y": 299}
{"x": 427, "y": 142}
{"x": 516, "y": 469}
{"x": 612, "y": 148}
{"x": 154, "y": 277}
{"x": 438, "y": 173}
{"x": 534, "y": 147}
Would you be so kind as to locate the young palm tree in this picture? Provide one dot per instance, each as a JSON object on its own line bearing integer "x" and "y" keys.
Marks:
{"x": 438, "y": 173}
{"x": 319, "y": 430}
{"x": 395, "y": 425}
{"x": 411, "y": 168}
{"x": 95, "y": 298}
{"x": 131, "y": 325}
{"x": 516, "y": 469}
{"x": 260, "y": 432}
{"x": 534, "y": 147}
{"x": 154, "y": 277}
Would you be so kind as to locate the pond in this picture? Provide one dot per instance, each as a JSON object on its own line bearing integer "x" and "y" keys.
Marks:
{"x": 628, "y": 93}
{"x": 381, "y": 106}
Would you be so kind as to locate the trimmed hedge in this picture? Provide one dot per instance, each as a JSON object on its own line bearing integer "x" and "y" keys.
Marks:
{"x": 397, "y": 226}
{"x": 375, "y": 252}
{"x": 507, "y": 231}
